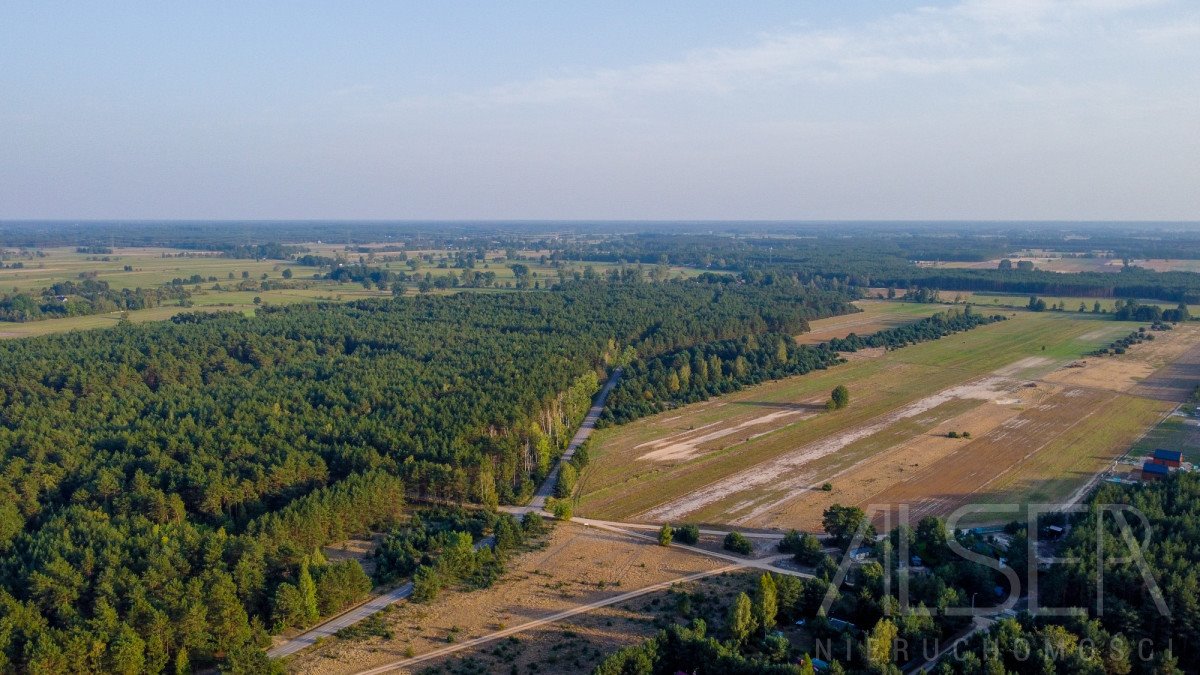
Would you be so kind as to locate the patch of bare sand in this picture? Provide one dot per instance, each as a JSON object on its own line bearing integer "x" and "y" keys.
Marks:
{"x": 1113, "y": 374}
{"x": 792, "y": 463}
{"x": 577, "y": 566}
{"x": 861, "y": 323}
{"x": 1123, "y": 372}
{"x": 864, "y": 354}
{"x": 859, "y": 484}
{"x": 578, "y": 644}
{"x": 353, "y": 549}
{"x": 678, "y": 448}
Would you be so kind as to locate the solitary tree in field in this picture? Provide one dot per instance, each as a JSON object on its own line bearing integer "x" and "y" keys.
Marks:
{"x": 665, "y": 534}
{"x": 839, "y": 398}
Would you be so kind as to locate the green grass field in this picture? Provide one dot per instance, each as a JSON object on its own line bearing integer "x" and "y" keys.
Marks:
{"x": 1071, "y": 303}
{"x": 617, "y": 485}
{"x": 154, "y": 267}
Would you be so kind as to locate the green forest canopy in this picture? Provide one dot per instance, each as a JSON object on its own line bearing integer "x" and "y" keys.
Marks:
{"x": 160, "y": 482}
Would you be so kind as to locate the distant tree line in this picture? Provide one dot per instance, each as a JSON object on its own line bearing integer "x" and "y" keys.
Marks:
{"x": 83, "y": 298}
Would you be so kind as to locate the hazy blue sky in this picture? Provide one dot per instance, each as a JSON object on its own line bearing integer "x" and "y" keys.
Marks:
{"x": 987, "y": 109}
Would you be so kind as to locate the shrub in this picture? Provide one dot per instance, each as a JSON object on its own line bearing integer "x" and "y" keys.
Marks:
{"x": 738, "y": 543}
{"x": 790, "y": 542}
{"x": 840, "y": 397}
{"x": 808, "y": 552}
{"x": 561, "y": 509}
{"x": 688, "y": 534}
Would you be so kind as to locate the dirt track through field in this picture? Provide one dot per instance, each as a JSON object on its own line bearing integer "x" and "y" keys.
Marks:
{"x": 787, "y": 465}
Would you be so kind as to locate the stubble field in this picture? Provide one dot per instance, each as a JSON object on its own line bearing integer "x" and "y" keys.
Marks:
{"x": 1039, "y": 429}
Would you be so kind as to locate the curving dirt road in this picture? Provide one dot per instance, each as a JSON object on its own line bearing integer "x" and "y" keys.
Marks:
{"x": 585, "y": 429}
{"x": 379, "y": 603}
{"x": 551, "y": 618}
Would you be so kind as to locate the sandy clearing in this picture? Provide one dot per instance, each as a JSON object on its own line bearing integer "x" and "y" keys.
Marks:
{"x": 1165, "y": 368}
{"x": 988, "y": 388}
{"x": 564, "y": 574}
{"x": 1040, "y": 456}
{"x": 659, "y": 442}
{"x": 859, "y": 484}
{"x": 673, "y": 450}
{"x": 876, "y": 316}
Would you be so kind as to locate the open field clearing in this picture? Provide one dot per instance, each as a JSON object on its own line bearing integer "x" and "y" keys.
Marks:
{"x": 1071, "y": 265}
{"x": 579, "y": 565}
{"x": 578, "y": 644}
{"x": 1071, "y": 303}
{"x": 876, "y": 316}
{"x": 240, "y": 301}
{"x": 1048, "y": 263}
{"x": 151, "y": 267}
{"x": 1039, "y": 429}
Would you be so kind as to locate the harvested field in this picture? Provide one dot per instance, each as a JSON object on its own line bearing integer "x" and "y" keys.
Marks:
{"x": 578, "y": 565}
{"x": 1166, "y": 368}
{"x": 1039, "y": 429}
{"x": 877, "y": 315}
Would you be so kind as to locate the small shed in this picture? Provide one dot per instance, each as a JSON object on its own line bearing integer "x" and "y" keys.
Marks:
{"x": 1169, "y": 458}
{"x": 1152, "y": 471}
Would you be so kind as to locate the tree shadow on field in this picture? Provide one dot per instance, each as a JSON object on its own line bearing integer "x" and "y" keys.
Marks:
{"x": 783, "y": 405}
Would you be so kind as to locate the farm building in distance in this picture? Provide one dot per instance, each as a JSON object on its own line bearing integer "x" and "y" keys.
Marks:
{"x": 1152, "y": 471}
{"x": 1169, "y": 458}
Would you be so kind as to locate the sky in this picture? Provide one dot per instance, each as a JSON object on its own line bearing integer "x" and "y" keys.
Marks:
{"x": 689, "y": 109}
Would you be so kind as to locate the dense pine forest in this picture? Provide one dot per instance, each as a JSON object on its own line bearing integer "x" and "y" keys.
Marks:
{"x": 710, "y": 369}
{"x": 166, "y": 487}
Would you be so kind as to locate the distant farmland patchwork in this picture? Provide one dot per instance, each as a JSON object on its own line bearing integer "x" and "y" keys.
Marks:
{"x": 1043, "y": 419}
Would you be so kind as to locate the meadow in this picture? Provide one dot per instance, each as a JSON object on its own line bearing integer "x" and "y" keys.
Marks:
{"x": 762, "y": 457}
{"x": 133, "y": 268}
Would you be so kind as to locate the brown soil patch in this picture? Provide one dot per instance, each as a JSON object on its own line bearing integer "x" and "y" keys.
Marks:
{"x": 865, "y": 482}
{"x": 1166, "y": 368}
{"x": 874, "y": 318}
{"x": 578, "y": 565}
{"x": 353, "y": 549}
{"x": 685, "y": 445}
{"x": 1062, "y": 438}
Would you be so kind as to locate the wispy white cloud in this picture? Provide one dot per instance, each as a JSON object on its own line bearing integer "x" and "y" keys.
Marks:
{"x": 972, "y": 36}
